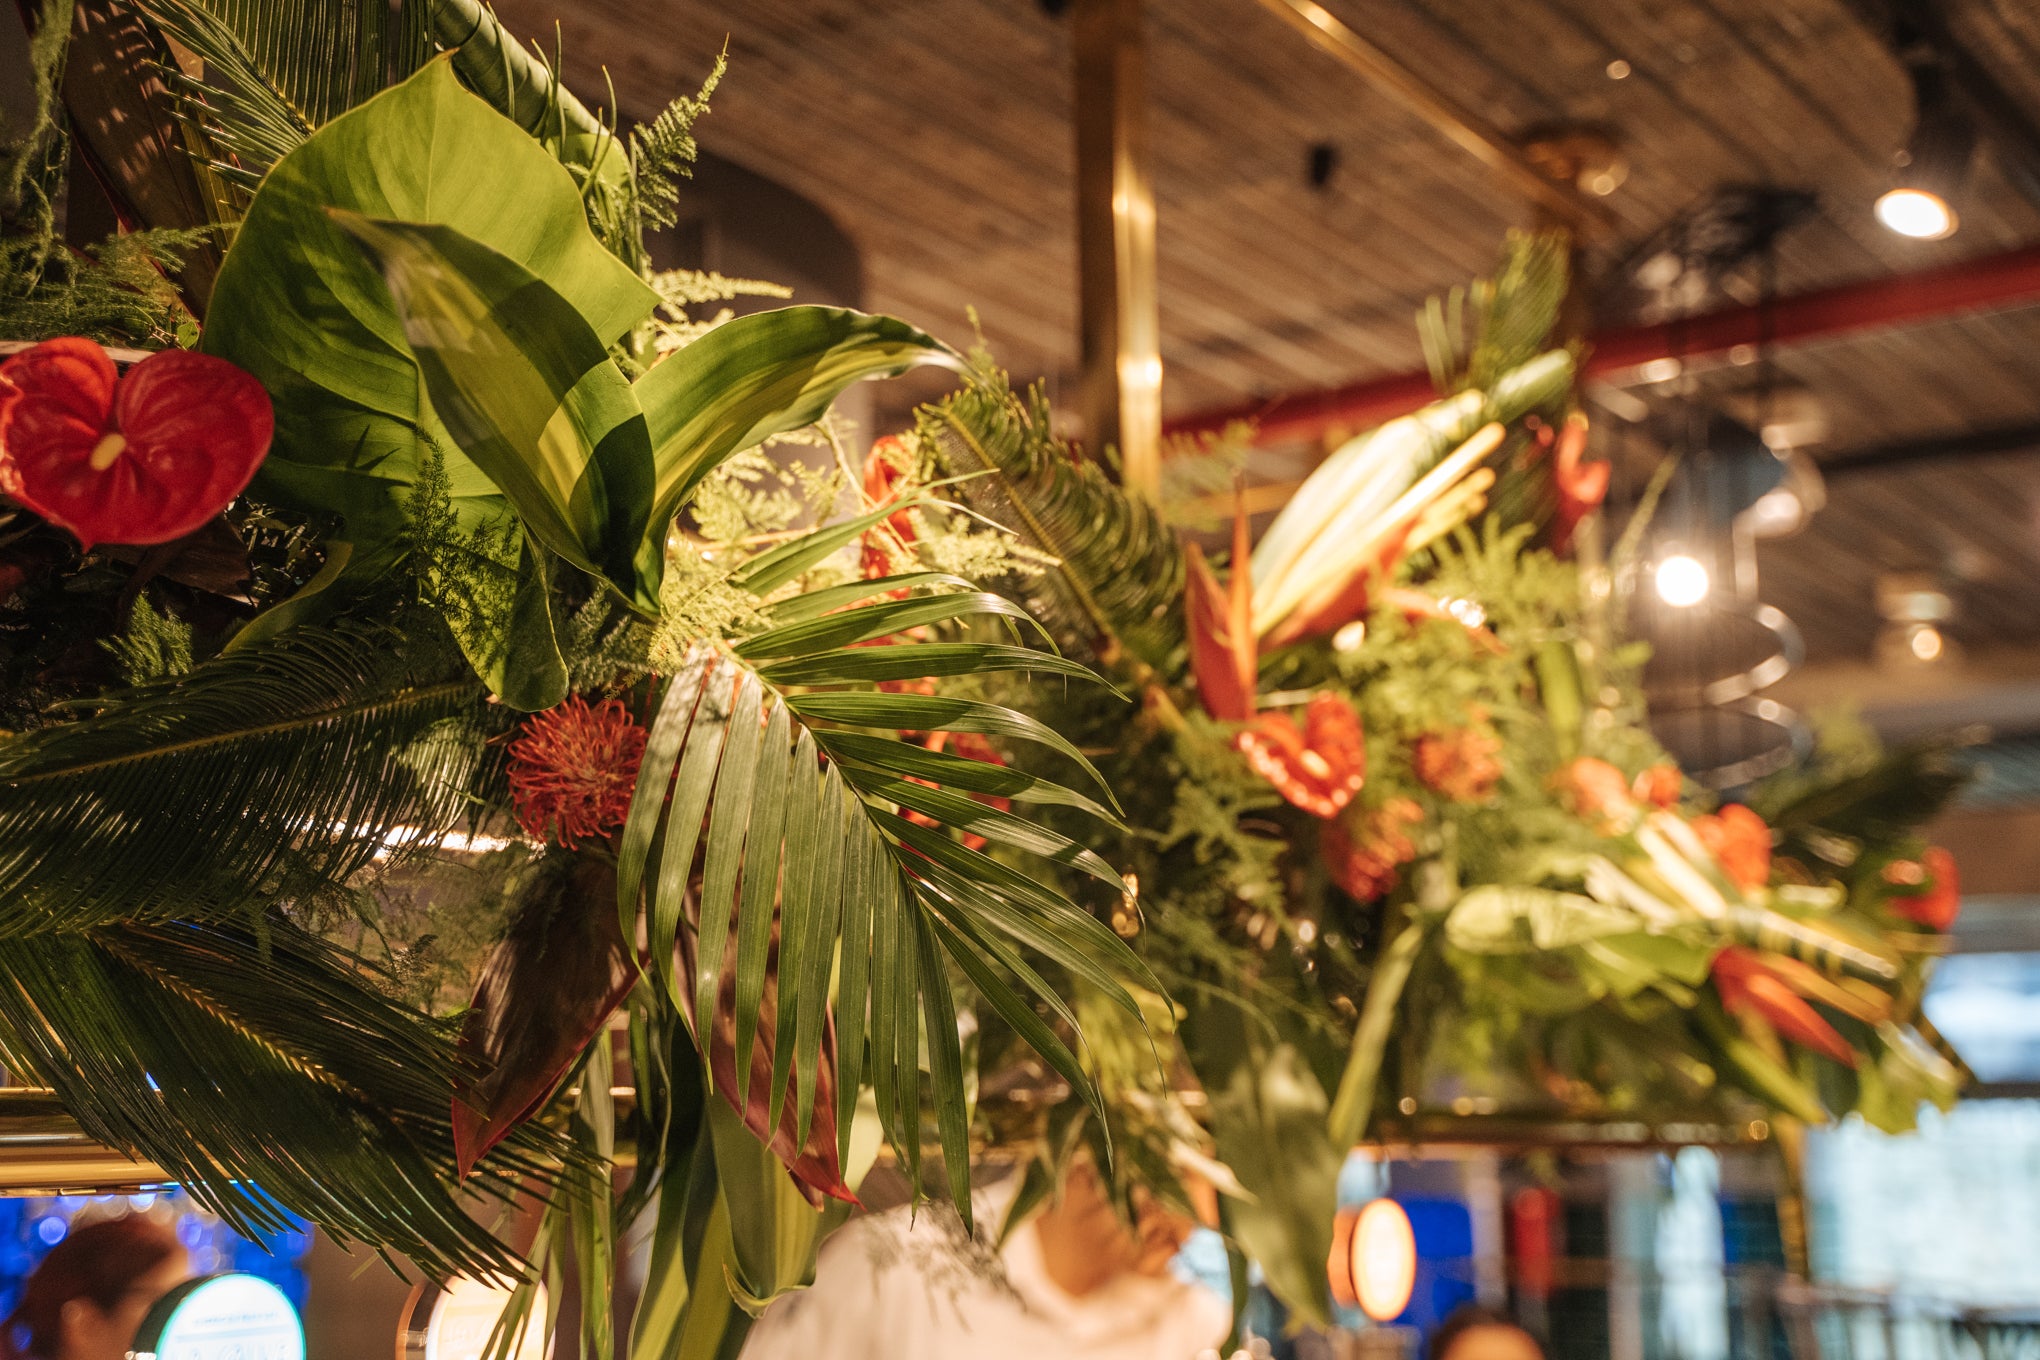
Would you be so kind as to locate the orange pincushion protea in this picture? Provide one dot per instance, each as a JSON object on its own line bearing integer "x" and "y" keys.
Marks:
{"x": 1660, "y": 785}
{"x": 885, "y": 467}
{"x": 1927, "y": 890}
{"x": 573, "y": 769}
{"x": 1463, "y": 765}
{"x": 1598, "y": 793}
{"x": 1738, "y": 838}
{"x": 1367, "y": 861}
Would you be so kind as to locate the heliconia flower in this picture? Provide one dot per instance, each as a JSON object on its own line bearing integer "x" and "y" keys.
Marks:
{"x": 1330, "y": 611}
{"x": 1318, "y": 767}
{"x": 885, "y": 467}
{"x": 142, "y": 458}
{"x": 1225, "y": 656}
{"x": 1366, "y": 860}
{"x": 573, "y": 769}
{"x": 1660, "y": 786}
{"x": 1582, "y": 486}
{"x": 1596, "y": 792}
{"x": 1462, "y": 764}
{"x": 1927, "y": 890}
{"x": 1749, "y": 988}
{"x": 1740, "y": 841}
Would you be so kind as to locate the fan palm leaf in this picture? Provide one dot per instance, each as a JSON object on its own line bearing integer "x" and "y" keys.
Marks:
{"x": 260, "y": 774}
{"x": 785, "y": 806}
{"x": 1120, "y": 571}
{"x": 164, "y": 1040}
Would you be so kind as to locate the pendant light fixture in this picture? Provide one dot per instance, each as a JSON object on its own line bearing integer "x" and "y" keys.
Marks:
{"x": 1932, "y": 168}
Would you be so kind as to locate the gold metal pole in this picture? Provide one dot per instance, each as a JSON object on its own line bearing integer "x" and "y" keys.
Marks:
{"x": 1121, "y": 318}
{"x": 1464, "y": 127}
{"x": 44, "y": 1152}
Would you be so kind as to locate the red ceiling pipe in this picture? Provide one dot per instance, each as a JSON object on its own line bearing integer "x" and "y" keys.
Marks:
{"x": 1993, "y": 281}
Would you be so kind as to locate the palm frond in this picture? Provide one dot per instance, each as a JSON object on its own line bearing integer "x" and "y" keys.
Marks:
{"x": 797, "y": 814}
{"x": 257, "y": 775}
{"x": 243, "y": 109}
{"x": 1471, "y": 337}
{"x": 163, "y": 1040}
{"x": 1120, "y": 572}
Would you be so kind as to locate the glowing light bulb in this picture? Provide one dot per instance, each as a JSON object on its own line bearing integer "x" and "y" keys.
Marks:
{"x": 1682, "y": 582}
{"x": 1916, "y": 213}
{"x": 1926, "y": 642}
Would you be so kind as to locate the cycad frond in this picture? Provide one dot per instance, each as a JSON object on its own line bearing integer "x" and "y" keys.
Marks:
{"x": 244, "y": 108}
{"x": 1120, "y": 572}
{"x": 324, "y": 56}
{"x": 164, "y": 1040}
{"x": 806, "y": 820}
{"x": 1473, "y": 336}
{"x": 257, "y": 775}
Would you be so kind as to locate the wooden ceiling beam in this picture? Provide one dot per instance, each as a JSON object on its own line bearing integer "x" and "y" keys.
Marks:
{"x": 1457, "y": 123}
{"x": 1993, "y": 282}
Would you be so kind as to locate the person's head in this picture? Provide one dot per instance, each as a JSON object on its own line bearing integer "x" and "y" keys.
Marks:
{"x": 88, "y": 1297}
{"x": 1475, "y": 1333}
{"x": 1086, "y": 1244}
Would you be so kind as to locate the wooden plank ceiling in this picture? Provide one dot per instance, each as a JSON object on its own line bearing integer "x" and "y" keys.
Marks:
{"x": 937, "y": 134}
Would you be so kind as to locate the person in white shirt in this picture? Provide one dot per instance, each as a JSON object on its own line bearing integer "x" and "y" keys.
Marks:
{"x": 1073, "y": 1281}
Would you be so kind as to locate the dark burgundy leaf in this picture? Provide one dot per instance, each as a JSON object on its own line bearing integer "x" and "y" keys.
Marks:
{"x": 548, "y": 990}
{"x": 816, "y": 1169}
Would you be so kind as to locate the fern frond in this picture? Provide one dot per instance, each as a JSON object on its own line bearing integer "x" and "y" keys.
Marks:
{"x": 154, "y": 647}
{"x": 662, "y": 151}
{"x": 164, "y": 1040}
{"x": 255, "y": 776}
{"x": 1119, "y": 573}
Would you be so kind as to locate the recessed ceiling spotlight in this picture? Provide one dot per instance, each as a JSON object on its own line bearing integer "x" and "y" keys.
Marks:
{"x": 1618, "y": 69}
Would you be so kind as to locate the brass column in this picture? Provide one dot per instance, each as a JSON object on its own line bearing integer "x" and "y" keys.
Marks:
{"x": 1120, "y": 318}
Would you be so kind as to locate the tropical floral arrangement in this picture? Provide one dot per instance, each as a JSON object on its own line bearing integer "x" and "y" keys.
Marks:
{"x": 431, "y": 712}
{"x": 1402, "y": 842}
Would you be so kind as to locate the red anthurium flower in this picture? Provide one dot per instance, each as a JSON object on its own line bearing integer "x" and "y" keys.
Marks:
{"x": 1748, "y": 987}
{"x": 1927, "y": 890}
{"x": 885, "y": 467}
{"x": 143, "y": 458}
{"x": 573, "y": 769}
{"x": 1319, "y": 767}
{"x": 1367, "y": 859}
{"x": 1582, "y": 486}
{"x": 1738, "y": 838}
